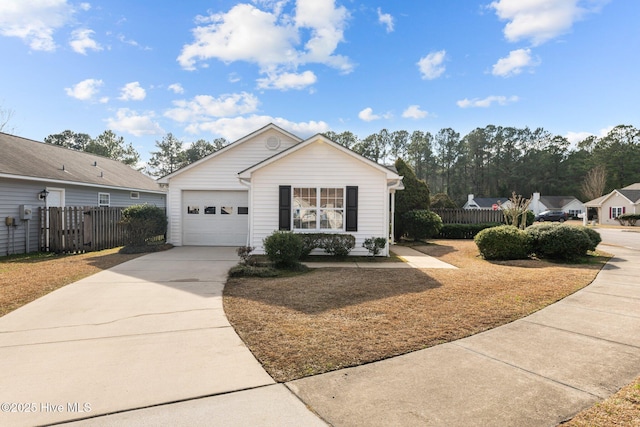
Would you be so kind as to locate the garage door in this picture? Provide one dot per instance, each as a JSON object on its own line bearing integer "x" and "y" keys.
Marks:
{"x": 215, "y": 218}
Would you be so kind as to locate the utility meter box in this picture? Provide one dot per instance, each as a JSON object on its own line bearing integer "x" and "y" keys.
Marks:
{"x": 26, "y": 212}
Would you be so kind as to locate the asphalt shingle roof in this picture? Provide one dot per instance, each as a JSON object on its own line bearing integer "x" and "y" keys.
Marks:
{"x": 27, "y": 158}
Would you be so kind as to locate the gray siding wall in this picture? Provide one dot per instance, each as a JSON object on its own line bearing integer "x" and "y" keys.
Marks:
{"x": 14, "y": 193}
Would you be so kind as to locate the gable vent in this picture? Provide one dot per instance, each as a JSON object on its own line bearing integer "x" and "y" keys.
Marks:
{"x": 273, "y": 143}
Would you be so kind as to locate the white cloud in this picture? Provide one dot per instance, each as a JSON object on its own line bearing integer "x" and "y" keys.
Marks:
{"x": 541, "y": 20}
{"x": 85, "y": 6}
{"x": 271, "y": 39}
{"x": 129, "y": 121}
{"x": 431, "y": 65}
{"x": 414, "y": 112}
{"x": 286, "y": 81}
{"x": 486, "y": 102}
{"x": 367, "y": 115}
{"x": 81, "y": 41}
{"x": 233, "y": 128}
{"x": 132, "y": 92}
{"x": 34, "y": 21}
{"x": 85, "y": 90}
{"x": 386, "y": 20}
{"x": 576, "y": 137}
{"x": 514, "y": 63}
{"x": 176, "y": 88}
{"x": 203, "y": 107}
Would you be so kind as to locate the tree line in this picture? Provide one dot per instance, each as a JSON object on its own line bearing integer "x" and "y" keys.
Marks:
{"x": 492, "y": 161}
{"x": 495, "y": 161}
{"x": 172, "y": 153}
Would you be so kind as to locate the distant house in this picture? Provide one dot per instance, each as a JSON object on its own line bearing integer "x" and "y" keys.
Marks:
{"x": 620, "y": 201}
{"x": 273, "y": 180}
{"x": 569, "y": 204}
{"x": 488, "y": 203}
{"x": 34, "y": 174}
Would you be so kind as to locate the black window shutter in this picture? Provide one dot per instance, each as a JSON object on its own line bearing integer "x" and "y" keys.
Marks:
{"x": 352, "y": 209}
{"x": 285, "y": 208}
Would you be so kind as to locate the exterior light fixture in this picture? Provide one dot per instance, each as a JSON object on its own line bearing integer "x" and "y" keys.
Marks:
{"x": 43, "y": 194}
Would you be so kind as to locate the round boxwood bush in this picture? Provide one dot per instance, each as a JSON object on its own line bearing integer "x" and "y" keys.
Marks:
{"x": 594, "y": 236}
{"x": 502, "y": 243}
{"x": 421, "y": 224}
{"x": 284, "y": 248}
{"x": 561, "y": 242}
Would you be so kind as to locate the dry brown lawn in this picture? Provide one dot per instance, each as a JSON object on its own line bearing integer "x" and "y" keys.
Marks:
{"x": 622, "y": 409}
{"x": 338, "y": 317}
{"x": 26, "y": 278}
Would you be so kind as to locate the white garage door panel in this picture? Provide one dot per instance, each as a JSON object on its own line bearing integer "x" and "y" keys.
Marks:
{"x": 215, "y": 218}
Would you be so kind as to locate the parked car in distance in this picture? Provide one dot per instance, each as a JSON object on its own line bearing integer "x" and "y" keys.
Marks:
{"x": 552, "y": 216}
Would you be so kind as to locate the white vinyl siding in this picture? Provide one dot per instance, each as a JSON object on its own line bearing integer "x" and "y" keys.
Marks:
{"x": 219, "y": 172}
{"x": 307, "y": 168}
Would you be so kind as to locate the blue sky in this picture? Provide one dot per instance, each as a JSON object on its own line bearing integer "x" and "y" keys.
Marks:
{"x": 209, "y": 69}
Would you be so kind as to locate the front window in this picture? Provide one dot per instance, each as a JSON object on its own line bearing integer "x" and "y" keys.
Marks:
{"x": 318, "y": 208}
{"x": 616, "y": 212}
{"x": 104, "y": 199}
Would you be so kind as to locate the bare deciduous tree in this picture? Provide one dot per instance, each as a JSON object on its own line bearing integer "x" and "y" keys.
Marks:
{"x": 515, "y": 212}
{"x": 594, "y": 183}
{"x": 5, "y": 116}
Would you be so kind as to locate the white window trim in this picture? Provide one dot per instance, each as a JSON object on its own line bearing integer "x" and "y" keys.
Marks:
{"x": 317, "y": 208}
{"x": 103, "y": 205}
{"x": 619, "y": 209}
{"x": 135, "y": 195}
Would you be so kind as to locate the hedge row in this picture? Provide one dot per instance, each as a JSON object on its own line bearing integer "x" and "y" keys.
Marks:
{"x": 286, "y": 249}
{"x": 464, "y": 231}
{"x": 551, "y": 241}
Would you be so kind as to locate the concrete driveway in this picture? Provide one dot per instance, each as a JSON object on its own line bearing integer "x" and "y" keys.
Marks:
{"x": 145, "y": 333}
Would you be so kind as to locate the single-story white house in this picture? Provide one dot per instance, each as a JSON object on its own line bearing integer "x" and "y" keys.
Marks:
{"x": 621, "y": 201}
{"x": 273, "y": 180}
{"x": 569, "y": 204}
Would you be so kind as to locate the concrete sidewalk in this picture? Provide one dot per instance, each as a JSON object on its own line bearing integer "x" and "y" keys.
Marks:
{"x": 537, "y": 371}
{"x": 147, "y": 342}
{"x": 147, "y": 332}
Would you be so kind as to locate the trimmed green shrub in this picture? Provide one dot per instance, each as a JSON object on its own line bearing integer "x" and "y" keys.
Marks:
{"x": 310, "y": 241}
{"x": 143, "y": 223}
{"x": 594, "y": 236}
{"x": 503, "y": 243}
{"x": 464, "y": 231}
{"x": 421, "y": 224}
{"x": 284, "y": 248}
{"x": 628, "y": 219}
{"x": 374, "y": 245}
{"x": 559, "y": 241}
{"x": 338, "y": 245}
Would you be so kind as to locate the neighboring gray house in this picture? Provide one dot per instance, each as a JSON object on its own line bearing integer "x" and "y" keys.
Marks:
{"x": 487, "y": 203}
{"x": 34, "y": 174}
{"x": 569, "y": 204}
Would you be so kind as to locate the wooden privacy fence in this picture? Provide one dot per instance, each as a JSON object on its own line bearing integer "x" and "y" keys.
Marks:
{"x": 469, "y": 216}
{"x": 80, "y": 229}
